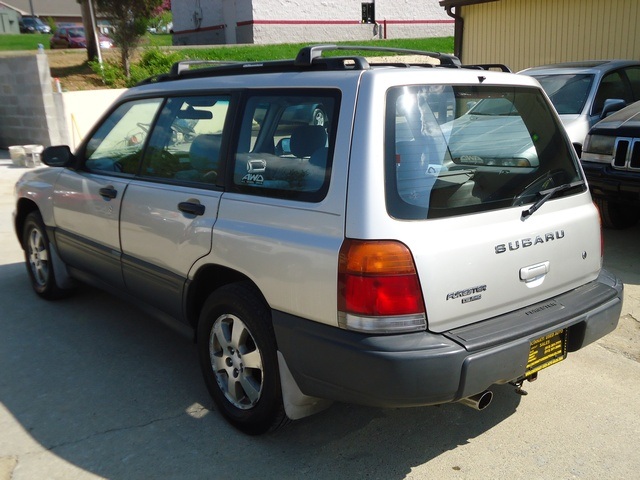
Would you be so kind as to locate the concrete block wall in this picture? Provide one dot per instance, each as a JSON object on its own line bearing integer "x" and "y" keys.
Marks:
{"x": 75, "y": 119}
{"x": 27, "y": 108}
{"x": 32, "y": 113}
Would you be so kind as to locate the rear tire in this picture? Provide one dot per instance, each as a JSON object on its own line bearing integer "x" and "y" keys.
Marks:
{"x": 37, "y": 253}
{"x": 616, "y": 215}
{"x": 238, "y": 357}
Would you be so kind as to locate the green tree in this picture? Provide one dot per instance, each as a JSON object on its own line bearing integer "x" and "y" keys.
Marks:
{"x": 129, "y": 19}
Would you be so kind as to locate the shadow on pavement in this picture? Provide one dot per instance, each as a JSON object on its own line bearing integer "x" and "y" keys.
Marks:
{"x": 118, "y": 394}
{"x": 621, "y": 253}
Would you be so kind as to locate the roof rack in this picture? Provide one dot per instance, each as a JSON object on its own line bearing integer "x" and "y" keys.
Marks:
{"x": 308, "y": 58}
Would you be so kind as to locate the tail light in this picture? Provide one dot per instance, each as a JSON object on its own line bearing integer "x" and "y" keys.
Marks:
{"x": 378, "y": 288}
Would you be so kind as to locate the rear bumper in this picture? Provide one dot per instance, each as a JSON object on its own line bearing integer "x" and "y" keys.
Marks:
{"x": 426, "y": 368}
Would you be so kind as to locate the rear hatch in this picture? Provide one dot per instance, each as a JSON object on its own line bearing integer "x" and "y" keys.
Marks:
{"x": 494, "y": 263}
{"x": 485, "y": 190}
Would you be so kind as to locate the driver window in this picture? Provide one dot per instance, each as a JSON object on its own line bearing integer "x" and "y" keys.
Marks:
{"x": 185, "y": 143}
{"x": 117, "y": 144}
{"x": 612, "y": 86}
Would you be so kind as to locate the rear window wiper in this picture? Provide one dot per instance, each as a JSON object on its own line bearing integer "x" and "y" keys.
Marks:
{"x": 546, "y": 195}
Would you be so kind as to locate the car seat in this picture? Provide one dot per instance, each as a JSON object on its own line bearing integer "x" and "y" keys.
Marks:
{"x": 204, "y": 156}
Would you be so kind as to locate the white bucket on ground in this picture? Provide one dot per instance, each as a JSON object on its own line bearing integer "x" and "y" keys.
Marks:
{"x": 17, "y": 155}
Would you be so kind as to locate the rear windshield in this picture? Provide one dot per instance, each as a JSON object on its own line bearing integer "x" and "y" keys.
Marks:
{"x": 453, "y": 150}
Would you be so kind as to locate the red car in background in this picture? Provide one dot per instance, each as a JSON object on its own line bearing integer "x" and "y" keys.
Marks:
{"x": 74, "y": 37}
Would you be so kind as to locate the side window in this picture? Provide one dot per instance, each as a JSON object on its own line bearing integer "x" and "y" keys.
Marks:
{"x": 613, "y": 85}
{"x": 185, "y": 143}
{"x": 285, "y": 145}
{"x": 117, "y": 144}
{"x": 633, "y": 74}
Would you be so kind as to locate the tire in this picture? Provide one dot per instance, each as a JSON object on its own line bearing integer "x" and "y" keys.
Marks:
{"x": 318, "y": 116}
{"x": 238, "y": 357}
{"x": 616, "y": 215}
{"x": 37, "y": 253}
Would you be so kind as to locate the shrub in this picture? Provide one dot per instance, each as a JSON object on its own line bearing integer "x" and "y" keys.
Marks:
{"x": 153, "y": 62}
{"x": 111, "y": 72}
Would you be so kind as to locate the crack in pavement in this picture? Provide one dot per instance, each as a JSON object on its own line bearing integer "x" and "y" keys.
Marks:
{"x": 191, "y": 412}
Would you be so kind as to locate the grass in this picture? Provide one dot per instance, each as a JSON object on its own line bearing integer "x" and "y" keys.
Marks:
{"x": 24, "y": 41}
{"x": 240, "y": 52}
{"x": 74, "y": 72}
{"x": 30, "y": 41}
{"x": 250, "y": 53}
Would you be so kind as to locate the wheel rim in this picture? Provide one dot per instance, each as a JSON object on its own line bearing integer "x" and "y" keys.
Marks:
{"x": 236, "y": 362}
{"x": 318, "y": 117}
{"x": 38, "y": 257}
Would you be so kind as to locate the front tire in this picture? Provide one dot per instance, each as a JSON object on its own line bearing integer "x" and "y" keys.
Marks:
{"x": 38, "y": 259}
{"x": 238, "y": 357}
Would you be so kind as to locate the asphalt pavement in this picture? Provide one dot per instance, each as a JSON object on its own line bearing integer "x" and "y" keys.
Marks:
{"x": 91, "y": 387}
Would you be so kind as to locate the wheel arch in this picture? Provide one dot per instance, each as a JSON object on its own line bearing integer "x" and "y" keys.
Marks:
{"x": 24, "y": 207}
{"x": 208, "y": 279}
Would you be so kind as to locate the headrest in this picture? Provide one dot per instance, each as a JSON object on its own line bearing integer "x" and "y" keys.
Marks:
{"x": 307, "y": 139}
{"x": 205, "y": 151}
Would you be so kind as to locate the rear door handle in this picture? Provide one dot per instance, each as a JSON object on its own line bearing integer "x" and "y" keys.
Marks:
{"x": 108, "y": 192}
{"x": 534, "y": 272}
{"x": 193, "y": 208}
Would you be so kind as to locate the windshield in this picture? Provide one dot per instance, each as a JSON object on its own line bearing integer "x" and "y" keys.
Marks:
{"x": 36, "y": 22}
{"x": 76, "y": 33}
{"x": 454, "y": 150}
{"x": 568, "y": 92}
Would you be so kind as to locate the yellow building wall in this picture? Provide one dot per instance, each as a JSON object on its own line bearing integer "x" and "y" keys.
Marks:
{"x": 527, "y": 33}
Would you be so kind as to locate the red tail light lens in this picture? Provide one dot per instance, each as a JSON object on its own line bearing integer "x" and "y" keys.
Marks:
{"x": 379, "y": 288}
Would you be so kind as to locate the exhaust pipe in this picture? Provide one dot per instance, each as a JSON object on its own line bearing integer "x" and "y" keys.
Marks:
{"x": 479, "y": 401}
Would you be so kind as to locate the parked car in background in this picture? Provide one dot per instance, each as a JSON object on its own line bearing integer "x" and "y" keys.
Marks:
{"x": 30, "y": 24}
{"x": 583, "y": 93}
{"x": 611, "y": 161}
{"x": 74, "y": 37}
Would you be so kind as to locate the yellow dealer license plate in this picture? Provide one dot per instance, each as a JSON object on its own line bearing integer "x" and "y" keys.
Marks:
{"x": 546, "y": 351}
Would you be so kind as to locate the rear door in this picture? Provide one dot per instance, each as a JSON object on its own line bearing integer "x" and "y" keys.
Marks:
{"x": 169, "y": 209}
{"x": 87, "y": 201}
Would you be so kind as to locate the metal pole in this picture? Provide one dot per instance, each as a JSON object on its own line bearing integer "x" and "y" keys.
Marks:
{"x": 31, "y": 6}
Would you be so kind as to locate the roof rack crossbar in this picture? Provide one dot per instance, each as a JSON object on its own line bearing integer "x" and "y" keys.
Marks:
{"x": 307, "y": 55}
{"x": 490, "y": 66}
{"x": 185, "y": 65}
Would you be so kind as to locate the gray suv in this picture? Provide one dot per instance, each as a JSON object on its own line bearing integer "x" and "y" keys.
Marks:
{"x": 583, "y": 93}
{"x": 431, "y": 236}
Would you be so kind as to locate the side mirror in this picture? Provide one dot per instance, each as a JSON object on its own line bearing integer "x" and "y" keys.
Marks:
{"x": 284, "y": 147}
{"x": 58, "y": 156}
{"x": 612, "y": 105}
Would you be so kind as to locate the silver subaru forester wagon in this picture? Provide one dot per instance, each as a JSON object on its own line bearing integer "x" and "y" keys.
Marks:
{"x": 333, "y": 230}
